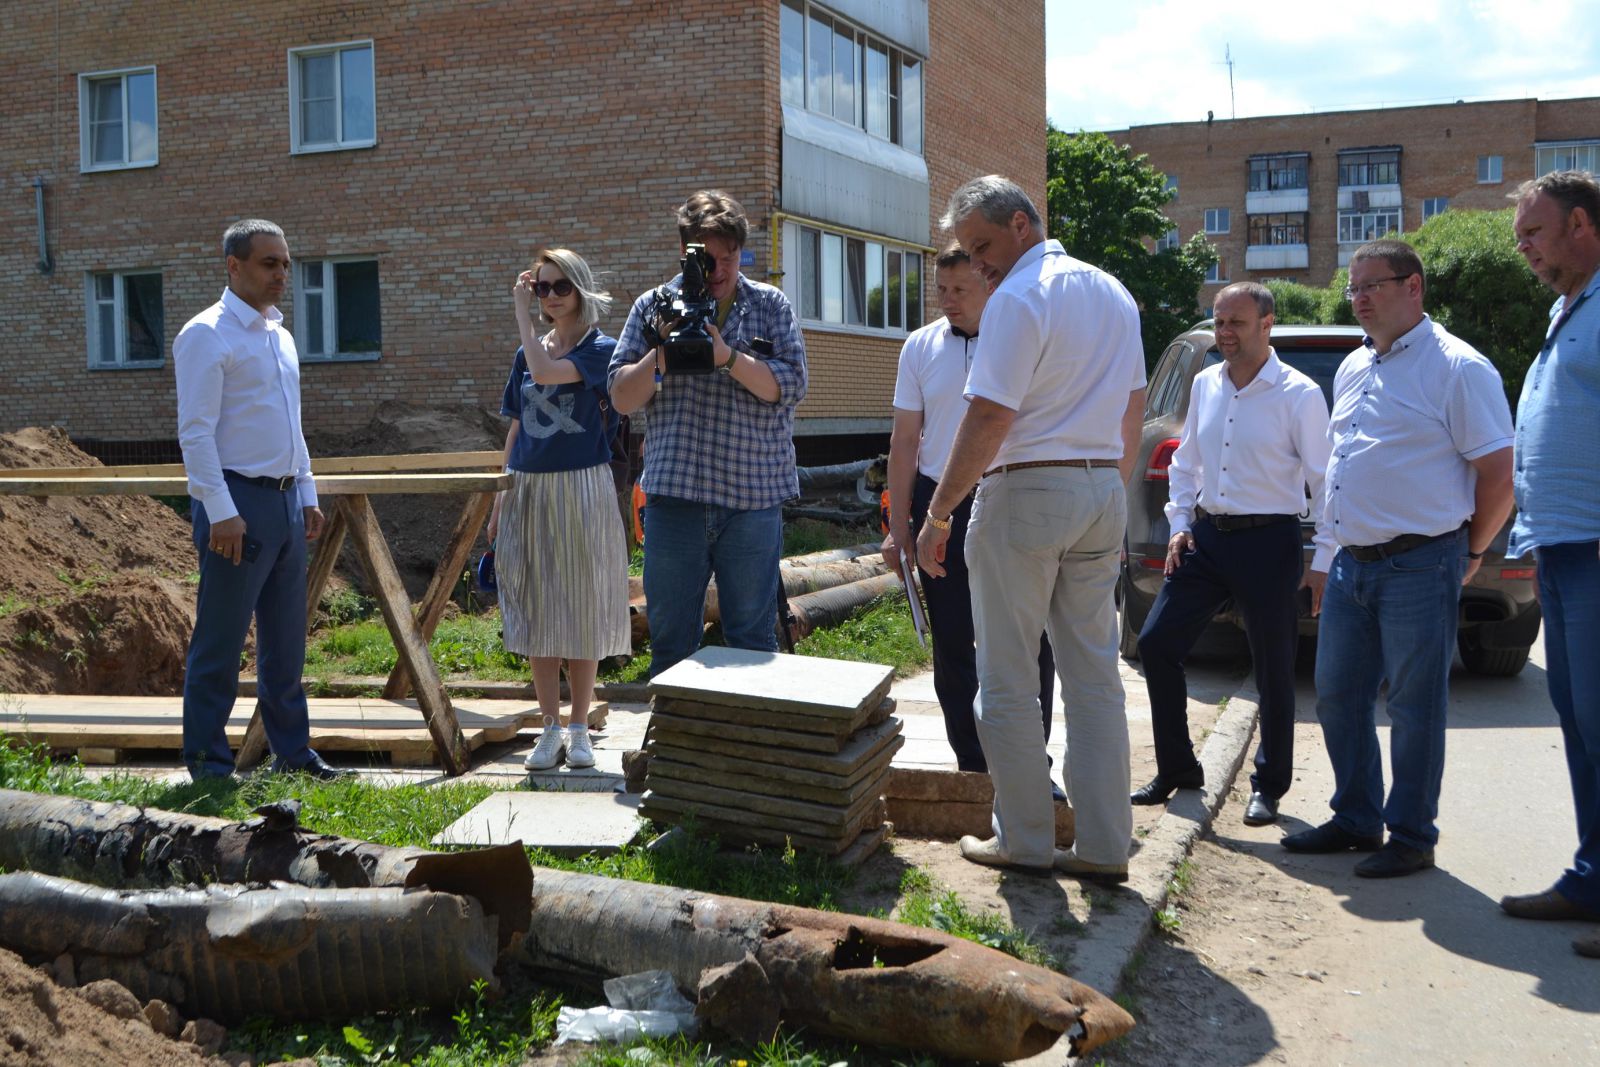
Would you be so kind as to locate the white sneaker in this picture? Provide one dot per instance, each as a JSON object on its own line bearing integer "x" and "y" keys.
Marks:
{"x": 547, "y": 753}
{"x": 580, "y": 752}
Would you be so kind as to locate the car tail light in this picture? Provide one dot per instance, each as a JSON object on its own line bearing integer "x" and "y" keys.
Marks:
{"x": 1517, "y": 574}
{"x": 1152, "y": 563}
{"x": 1160, "y": 460}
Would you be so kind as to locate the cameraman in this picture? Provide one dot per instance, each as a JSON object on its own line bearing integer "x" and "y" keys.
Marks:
{"x": 719, "y": 454}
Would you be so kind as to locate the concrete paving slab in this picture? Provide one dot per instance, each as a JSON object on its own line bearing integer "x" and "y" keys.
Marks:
{"x": 564, "y": 823}
{"x": 775, "y": 681}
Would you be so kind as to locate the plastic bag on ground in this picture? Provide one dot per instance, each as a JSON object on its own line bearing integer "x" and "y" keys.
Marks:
{"x": 646, "y": 1004}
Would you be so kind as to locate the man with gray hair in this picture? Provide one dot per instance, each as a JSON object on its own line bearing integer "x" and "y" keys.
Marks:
{"x": 1055, "y": 399}
{"x": 254, "y": 509}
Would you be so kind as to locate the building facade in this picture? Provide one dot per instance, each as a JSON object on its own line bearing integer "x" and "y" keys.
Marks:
{"x": 1291, "y": 196}
{"x": 416, "y": 155}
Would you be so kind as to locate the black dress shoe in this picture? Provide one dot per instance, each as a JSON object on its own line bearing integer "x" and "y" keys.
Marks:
{"x": 1261, "y": 811}
{"x": 317, "y": 769}
{"x": 1547, "y": 905}
{"x": 1395, "y": 859}
{"x": 1330, "y": 837}
{"x": 1159, "y": 788}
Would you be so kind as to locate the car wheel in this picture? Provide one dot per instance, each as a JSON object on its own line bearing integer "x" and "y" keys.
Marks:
{"x": 1490, "y": 662}
{"x": 1128, "y": 638}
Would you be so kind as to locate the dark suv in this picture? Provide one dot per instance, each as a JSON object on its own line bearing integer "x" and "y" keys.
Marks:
{"x": 1499, "y": 615}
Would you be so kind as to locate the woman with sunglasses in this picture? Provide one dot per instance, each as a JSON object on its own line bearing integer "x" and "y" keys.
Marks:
{"x": 560, "y": 559}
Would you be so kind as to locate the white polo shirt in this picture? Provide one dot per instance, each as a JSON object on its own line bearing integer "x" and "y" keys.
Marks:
{"x": 1059, "y": 344}
{"x": 1405, "y": 427}
{"x": 1250, "y": 451}
{"x": 934, "y": 363}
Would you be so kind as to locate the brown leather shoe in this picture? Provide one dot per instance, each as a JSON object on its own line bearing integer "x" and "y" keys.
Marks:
{"x": 1587, "y": 946}
{"x": 1547, "y": 905}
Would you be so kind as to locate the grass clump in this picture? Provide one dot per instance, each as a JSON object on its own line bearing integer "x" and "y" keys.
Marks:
{"x": 881, "y": 632}
{"x": 924, "y": 903}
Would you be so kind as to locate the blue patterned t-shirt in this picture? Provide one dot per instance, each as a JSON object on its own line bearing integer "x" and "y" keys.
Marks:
{"x": 562, "y": 426}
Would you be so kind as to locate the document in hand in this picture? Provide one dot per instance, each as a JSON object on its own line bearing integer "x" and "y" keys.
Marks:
{"x": 919, "y": 621}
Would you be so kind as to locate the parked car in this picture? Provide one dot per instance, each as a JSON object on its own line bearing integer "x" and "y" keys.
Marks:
{"x": 1499, "y": 614}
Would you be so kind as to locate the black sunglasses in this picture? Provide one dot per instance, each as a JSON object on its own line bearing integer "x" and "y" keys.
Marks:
{"x": 560, "y": 287}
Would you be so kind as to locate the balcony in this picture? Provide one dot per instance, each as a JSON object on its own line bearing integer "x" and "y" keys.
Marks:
{"x": 1368, "y": 197}
{"x": 1275, "y": 201}
{"x": 1277, "y": 257}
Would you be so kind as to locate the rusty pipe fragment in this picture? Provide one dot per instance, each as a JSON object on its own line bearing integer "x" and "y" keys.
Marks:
{"x": 232, "y": 952}
{"x": 829, "y": 607}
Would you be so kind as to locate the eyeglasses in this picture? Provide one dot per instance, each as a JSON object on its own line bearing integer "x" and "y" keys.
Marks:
{"x": 560, "y": 287}
{"x": 1353, "y": 291}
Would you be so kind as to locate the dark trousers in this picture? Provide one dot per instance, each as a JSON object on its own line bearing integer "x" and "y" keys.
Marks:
{"x": 272, "y": 591}
{"x": 955, "y": 654}
{"x": 1259, "y": 569}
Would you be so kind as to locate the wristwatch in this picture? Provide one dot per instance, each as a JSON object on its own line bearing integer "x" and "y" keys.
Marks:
{"x": 938, "y": 524}
{"x": 1474, "y": 555}
{"x": 727, "y": 368}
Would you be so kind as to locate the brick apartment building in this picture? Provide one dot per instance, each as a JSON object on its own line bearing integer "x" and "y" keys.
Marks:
{"x": 1291, "y": 196}
{"x": 417, "y": 154}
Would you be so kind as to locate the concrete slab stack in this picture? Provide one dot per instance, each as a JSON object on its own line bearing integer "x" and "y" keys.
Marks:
{"x": 766, "y": 748}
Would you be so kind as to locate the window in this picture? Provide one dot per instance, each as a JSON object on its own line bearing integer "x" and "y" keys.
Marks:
{"x": 117, "y": 119}
{"x": 1434, "y": 205}
{"x": 1489, "y": 170}
{"x": 829, "y": 66}
{"x": 1356, "y": 227}
{"x": 1278, "y": 229}
{"x": 125, "y": 321}
{"x": 1218, "y": 271}
{"x": 1370, "y": 168}
{"x": 332, "y": 98}
{"x": 1167, "y": 240}
{"x": 852, "y": 281}
{"x": 1272, "y": 173}
{"x": 336, "y": 309}
{"x": 1172, "y": 187}
{"x": 1573, "y": 155}
{"x": 1218, "y": 220}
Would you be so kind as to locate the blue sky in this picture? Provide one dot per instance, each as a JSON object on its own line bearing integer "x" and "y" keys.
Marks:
{"x": 1112, "y": 65}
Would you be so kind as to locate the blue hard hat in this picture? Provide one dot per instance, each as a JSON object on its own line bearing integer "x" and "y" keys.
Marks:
{"x": 486, "y": 581}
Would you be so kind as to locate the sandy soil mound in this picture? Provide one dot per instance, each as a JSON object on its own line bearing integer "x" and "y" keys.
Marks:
{"x": 44, "y": 1025}
{"x": 93, "y": 597}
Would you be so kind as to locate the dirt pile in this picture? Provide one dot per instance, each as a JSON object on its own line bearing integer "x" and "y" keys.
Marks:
{"x": 94, "y": 596}
{"x": 417, "y": 526}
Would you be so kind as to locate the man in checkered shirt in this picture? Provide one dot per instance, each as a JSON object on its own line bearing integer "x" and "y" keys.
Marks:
{"x": 719, "y": 450}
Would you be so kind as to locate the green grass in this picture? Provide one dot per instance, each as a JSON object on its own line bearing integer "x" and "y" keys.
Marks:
{"x": 10, "y": 604}
{"x": 881, "y": 632}
{"x": 804, "y": 536}
{"x": 464, "y": 645}
{"x": 924, "y": 903}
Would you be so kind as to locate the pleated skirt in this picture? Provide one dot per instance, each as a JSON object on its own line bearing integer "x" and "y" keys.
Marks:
{"x": 562, "y": 566}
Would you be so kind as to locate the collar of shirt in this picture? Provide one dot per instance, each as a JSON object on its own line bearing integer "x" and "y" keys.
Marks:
{"x": 1048, "y": 247}
{"x": 1269, "y": 375}
{"x": 1559, "y": 309}
{"x": 1401, "y": 343}
{"x": 248, "y": 316}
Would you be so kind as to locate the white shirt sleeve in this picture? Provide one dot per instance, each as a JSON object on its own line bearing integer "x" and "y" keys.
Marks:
{"x": 908, "y": 380}
{"x": 197, "y": 357}
{"x": 1184, "y": 473}
{"x": 1009, "y": 344}
{"x": 1476, "y": 412}
{"x": 1312, "y": 443}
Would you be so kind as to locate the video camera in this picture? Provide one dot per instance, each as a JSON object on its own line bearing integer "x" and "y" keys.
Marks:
{"x": 677, "y": 319}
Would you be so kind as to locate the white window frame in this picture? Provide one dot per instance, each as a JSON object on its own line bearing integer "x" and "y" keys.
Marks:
{"x": 1495, "y": 166}
{"x": 794, "y": 236}
{"x": 1215, "y": 215}
{"x": 329, "y": 291}
{"x": 1373, "y": 213}
{"x": 1168, "y": 240}
{"x": 1434, "y": 205}
{"x": 1172, "y": 187}
{"x": 898, "y": 103}
{"x": 1572, "y": 148}
{"x": 340, "y": 143}
{"x": 1217, "y": 273}
{"x": 119, "y": 344}
{"x": 86, "y": 163}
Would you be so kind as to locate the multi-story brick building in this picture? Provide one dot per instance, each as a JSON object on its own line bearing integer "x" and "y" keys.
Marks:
{"x": 417, "y": 154}
{"x": 1291, "y": 196}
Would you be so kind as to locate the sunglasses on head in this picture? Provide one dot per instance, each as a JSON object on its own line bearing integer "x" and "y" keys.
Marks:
{"x": 559, "y": 287}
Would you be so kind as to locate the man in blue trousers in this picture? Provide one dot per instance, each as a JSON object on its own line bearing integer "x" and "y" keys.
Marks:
{"x": 254, "y": 507}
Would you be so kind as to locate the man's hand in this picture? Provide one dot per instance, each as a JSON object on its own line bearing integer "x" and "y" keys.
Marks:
{"x": 227, "y": 539}
{"x": 1316, "y": 581}
{"x": 1181, "y": 544}
{"x": 1472, "y": 568}
{"x": 315, "y": 521}
{"x": 891, "y": 551}
{"x": 930, "y": 549}
{"x": 720, "y": 352}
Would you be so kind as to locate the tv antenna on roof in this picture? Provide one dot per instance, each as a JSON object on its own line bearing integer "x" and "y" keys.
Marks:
{"x": 1227, "y": 57}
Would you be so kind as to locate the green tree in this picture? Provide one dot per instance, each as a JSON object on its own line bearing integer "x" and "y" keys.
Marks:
{"x": 1103, "y": 202}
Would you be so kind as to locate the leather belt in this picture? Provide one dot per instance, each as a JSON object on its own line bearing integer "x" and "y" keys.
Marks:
{"x": 1403, "y": 543}
{"x": 1086, "y": 464}
{"x": 281, "y": 485}
{"x": 1230, "y": 523}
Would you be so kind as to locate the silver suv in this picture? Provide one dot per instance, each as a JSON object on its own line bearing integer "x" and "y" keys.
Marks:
{"x": 1499, "y": 614}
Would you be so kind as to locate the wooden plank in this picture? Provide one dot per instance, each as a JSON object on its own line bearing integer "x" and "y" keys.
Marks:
{"x": 253, "y": 749}
{"x": 409, "y": 643}
{"x": 762, "y": 810}
{"x": 781, "y": 720}
{"x": 102, "y": 757}
{"x": 25, "y": 483}
{"x": 713, "y": 738}
{"x": 836, "y": 796}
{"x": 490, "y": 460}
{"x": 443, "y": 583}
{"x": 778, "y": 776}
{"x": 776, "y": 682}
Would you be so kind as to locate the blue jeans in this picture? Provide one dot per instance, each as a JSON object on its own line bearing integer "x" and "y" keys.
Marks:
{"x": 686, "y": 542}
{"x": 272, "y": 590}
{"x": 1569, "y": 593}
{"x": 1392, "y": 620}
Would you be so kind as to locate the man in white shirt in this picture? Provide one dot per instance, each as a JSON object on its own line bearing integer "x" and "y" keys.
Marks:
{"x": 928, "y": 405}
{"x": 254, "y": 507}
{"x": 1256, "y": 435}
{"x": 1418, "y": 484}
{"x": 1055, "y": 399}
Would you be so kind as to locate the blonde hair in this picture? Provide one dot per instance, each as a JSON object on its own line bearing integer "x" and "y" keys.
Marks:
{"x": 592, "y": 302}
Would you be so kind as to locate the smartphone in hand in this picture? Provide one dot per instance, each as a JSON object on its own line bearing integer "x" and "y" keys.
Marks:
{"x": 251, "y": 551}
